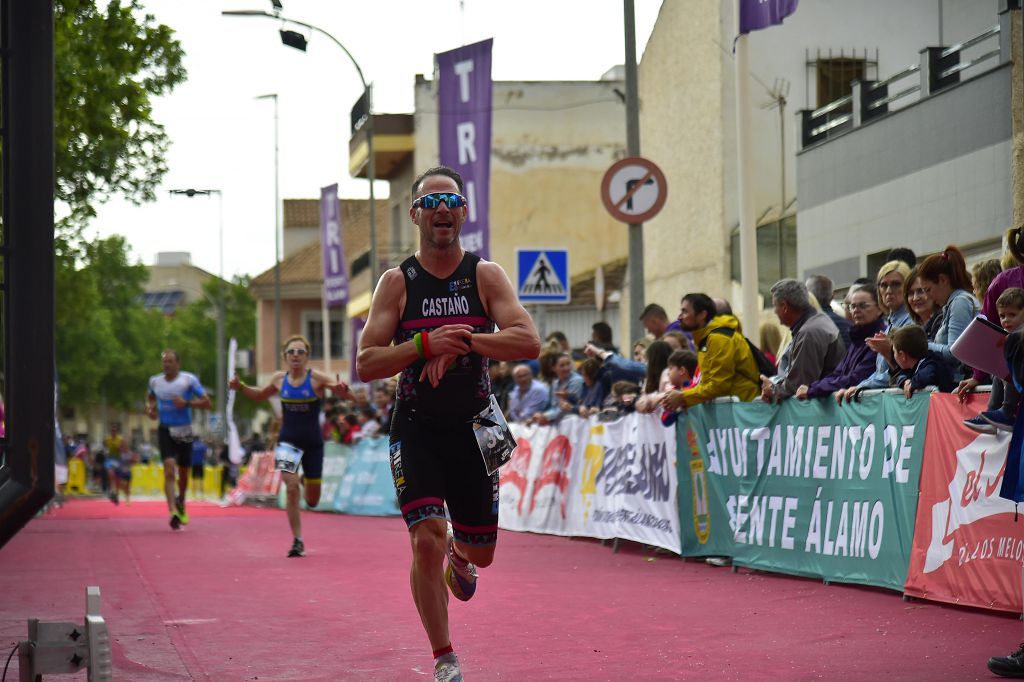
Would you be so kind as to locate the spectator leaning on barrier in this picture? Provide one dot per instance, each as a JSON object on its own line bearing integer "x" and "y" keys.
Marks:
{"x": 859, "y": 361}
{"x": 596, "y": 386}
{"x": 1004, "y": 399}
{"x": 920, "y": 367}
{"x": 566, "y": 391}
{"x": 944, "y": 275}
{"x": 656, "y": 381}
{"x": 727, "y": 367}
{"x": 1011, "y": 277}
{"x": 529, "y": 397}
{"x": 816, "y": 348}
{"x": 891, "y": 285}
{"x": 821, "y": 288}
{"x": 617, "y": 367}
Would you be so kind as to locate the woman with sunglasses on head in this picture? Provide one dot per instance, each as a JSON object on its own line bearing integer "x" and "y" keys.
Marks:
{"x": 301, "y": 390}
{"x": 432, "y": 321}
{"x": 1011, "y": 277}
{"x": 890, "y": 284}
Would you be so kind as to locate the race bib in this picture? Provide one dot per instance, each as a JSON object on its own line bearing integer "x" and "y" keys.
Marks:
{"x": 493, "y": 437}
{"x": 182, "y": 433}
{"x": 287, "y": 458}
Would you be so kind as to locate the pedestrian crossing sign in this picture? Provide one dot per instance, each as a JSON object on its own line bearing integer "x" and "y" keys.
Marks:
{"x": 542, "y": 275}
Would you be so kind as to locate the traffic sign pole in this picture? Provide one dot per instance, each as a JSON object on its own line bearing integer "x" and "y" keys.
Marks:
{"x": 636, "y": 230}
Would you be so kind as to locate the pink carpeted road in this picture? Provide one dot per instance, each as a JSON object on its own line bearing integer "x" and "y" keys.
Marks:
{"x": 219, "y": 601}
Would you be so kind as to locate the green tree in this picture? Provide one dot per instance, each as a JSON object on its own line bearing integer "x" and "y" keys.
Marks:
{"x": 109, "y": 64}
{"x": 106, "y": 338}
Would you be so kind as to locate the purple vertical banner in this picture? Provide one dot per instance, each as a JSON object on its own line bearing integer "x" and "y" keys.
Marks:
{"x": 758, "y": 14}
{"x": 464, "y": 92}
{"x": 357, "y": 330}
{"x": 335, "y": 269}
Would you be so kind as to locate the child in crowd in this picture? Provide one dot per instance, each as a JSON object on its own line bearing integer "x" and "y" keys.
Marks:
{"x": 1004, "y": 399}
{"x": 595, "y": 387}
{"x": 919, "y": 367}
{"x": 622, "y": 399}
{"x": 682, "y": 373}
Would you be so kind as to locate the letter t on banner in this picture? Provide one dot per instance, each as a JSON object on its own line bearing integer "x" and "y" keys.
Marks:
{"x": 464, "y": 93}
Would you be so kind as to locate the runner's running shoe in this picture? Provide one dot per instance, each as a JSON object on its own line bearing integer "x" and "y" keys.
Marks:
{"x": 979, "y": 424}
{"x": 298, "y": 548}
{"x": 1004, "y": 666}
{"x": 179, "y": 502}
{"x": 446, "y": 669}
{"x": 175, "y": 521}
{"x": 460, "y": 574}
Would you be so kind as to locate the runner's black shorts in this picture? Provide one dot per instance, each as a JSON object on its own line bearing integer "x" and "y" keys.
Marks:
{"x": 179, "y": 451}
{"x": 436, "y": 461}
{"x": 312, "y": 455}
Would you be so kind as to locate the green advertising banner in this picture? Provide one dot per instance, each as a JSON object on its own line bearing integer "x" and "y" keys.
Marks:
{"x": 805, "y": 487}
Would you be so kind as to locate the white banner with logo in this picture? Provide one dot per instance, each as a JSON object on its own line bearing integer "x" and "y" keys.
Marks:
{"x": 594, "y": 479}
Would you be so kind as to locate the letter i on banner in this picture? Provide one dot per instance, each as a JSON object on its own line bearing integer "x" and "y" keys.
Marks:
{"x": 464, "y": 91}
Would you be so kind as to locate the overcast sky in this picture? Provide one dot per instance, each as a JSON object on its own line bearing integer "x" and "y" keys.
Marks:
{"x": 223, "y": 138}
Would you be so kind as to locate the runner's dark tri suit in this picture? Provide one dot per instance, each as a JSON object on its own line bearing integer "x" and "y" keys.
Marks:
{"x": 300, "y": 425}
{"x": 434, "y": 453}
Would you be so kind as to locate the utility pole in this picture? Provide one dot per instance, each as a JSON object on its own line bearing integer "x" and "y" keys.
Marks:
{"x": 636, "y": 234}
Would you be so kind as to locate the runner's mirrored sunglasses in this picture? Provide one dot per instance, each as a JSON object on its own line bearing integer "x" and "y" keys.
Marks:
{"x": 435, "y": 199}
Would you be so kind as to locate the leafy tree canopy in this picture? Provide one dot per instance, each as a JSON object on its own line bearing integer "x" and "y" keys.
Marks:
{"x": 109, "y": 64}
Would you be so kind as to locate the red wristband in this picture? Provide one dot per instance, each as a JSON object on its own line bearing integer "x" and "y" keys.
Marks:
{"x": 425, "y": 337}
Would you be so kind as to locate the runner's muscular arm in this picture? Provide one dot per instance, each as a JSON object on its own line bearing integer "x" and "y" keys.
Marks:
{"x": 377, "y": 358}
{"x": 517, "y": 337}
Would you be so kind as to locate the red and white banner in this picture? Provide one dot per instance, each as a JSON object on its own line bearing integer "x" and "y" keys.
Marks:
{"x": 967, "y": 546}
{"x": 260, "y": 478}
{"x": 592, "y": 479}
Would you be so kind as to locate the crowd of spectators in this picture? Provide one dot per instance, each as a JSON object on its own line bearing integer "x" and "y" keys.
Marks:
{"x": 895, "y": 329}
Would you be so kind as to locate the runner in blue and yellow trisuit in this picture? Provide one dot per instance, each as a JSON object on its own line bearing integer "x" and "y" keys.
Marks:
{"x": 301, "y": 390}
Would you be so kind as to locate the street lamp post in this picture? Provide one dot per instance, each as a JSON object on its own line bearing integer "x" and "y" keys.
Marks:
{"x": 298, "y": 41}
{"x": 277, "y": 239}
{"x": 221, "y": 380}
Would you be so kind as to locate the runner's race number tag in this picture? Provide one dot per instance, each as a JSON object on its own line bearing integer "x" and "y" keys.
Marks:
{"x": 182, "y": 433}
{"x": 493, "y": 437}
{"x": 287, "y": 458}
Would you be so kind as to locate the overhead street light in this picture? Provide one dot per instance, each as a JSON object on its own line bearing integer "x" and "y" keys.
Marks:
{"x": 298, "y": 41}
{"x": 221, "y": 396}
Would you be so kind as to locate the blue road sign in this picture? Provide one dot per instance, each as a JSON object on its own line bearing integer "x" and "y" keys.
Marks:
{"x": 542, "y": 275}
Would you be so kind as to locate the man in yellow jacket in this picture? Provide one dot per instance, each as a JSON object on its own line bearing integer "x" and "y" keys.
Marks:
{"x": 727, "y": 366}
